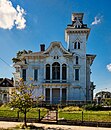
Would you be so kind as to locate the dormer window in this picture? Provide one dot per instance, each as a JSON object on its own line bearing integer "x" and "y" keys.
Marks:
{"x": 77, "y": 45}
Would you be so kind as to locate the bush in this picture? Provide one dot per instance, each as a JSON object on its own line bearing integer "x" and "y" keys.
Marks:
{"x": 93, "y": 107}
{"x": 72, "y": 108}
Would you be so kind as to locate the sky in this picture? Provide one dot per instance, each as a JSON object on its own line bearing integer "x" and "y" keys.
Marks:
{"x": 25, "y": 24}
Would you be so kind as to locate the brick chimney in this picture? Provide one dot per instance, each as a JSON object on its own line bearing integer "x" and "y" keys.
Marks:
{"x": 42, "y": 47}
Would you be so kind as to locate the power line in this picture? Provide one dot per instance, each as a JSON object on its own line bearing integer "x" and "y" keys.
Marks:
{"x": 5, "y": 62}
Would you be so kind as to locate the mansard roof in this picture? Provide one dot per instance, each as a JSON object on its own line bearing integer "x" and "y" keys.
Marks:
{"x": 59, "y": 45}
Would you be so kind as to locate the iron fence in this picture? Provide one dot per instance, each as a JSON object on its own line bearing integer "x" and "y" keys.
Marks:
{"x": 14, "y": 115}
{"x": 85, "y": 116}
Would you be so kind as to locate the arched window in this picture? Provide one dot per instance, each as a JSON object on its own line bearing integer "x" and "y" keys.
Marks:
{"x": 64, "y": 72}
{"x": 77, "y": 60}
{"x": 78, "y": 45}
{"x": 47, "y": 72}
{"x": 56, "y": 71}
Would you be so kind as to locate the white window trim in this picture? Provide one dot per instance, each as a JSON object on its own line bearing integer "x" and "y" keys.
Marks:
{"x": 74, "y": 74}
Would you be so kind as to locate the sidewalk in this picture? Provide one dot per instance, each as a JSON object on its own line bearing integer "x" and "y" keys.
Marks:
{"x": 51, "y": 126}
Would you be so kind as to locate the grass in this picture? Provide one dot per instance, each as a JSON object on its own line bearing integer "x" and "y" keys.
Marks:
{"x": 71, "y": 113}
{"x": 99, "y": 116}
{"x": 6, "y": 111}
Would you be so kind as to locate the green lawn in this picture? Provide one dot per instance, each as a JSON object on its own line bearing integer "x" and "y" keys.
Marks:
{"x": 33, "y": 113}
{"x": 100, "y": 116}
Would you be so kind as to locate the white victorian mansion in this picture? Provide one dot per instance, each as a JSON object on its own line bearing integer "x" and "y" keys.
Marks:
{"x": 61, "y": 75}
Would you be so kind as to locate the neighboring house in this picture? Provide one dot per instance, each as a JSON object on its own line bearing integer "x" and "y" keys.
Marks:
{"x": 103, "y": 97}
{"x": 103, "y": 94}
{"x": 60, "y": 74}
{"x": 6, "y": 86}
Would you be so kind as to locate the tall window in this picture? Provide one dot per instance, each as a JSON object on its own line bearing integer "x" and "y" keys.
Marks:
{"x": 56, "y": 71}
{"x": 24, "y": 74}
{"x": 77, "y": 60}
{"x": 47, "y": 72}
{"x": 64, "y": 72}
{"x": 76, "y": 74}
{"x": 77, "y": 45}
{"x": 35, "y": 74}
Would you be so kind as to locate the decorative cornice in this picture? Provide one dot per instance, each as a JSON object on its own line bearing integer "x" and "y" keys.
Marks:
{"x": 56, "y": 84}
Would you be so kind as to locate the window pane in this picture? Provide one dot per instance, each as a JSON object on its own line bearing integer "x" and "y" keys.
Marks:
{"x": 24, "y": 74}
{"x": 76, "y": 59}
{"x": 56, "y": 71}
{"x": 78, "y": 45}
{"x": 35, "y": 74}
{"x": 76, "y": 74}
{"x": 75, "y": 45}
{"x": 64, "y": 72}
{"x": 47, "y": 72}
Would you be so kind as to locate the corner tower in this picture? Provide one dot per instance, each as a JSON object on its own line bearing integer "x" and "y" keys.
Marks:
{"x": 76, "y": 34}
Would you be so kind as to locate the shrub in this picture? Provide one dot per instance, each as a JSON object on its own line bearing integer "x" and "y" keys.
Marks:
{"x": 72, "y": 108}
{"x": 93, "y": 107}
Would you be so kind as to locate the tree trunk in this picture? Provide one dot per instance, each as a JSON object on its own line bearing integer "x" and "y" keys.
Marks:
{"x": 25, "y": 122}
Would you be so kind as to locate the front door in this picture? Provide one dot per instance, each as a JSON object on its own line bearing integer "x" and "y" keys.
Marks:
{"x": 55, "y": 95}
{"x": 63, "y": 95}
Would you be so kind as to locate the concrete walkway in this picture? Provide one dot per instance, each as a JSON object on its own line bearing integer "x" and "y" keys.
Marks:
{"x": 50, "y": 116}
{"x": 51, "y": 126}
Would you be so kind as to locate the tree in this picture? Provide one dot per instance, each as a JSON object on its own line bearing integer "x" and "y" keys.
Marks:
{"x": 19, "y": 54}
{"x": 22, "y": 98}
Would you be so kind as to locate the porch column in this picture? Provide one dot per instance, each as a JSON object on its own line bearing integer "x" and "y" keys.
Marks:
{"x": 44, "y": 94}
{"x": 51, "y": 95}
{"x": 51, "y": 72}
{"x": 67, "y": 94}
{"x": 60, "y": 73}
{"x": 60, "y": 93}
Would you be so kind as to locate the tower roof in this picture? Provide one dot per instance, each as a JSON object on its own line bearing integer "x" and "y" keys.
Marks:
{"x": 76, "y": 16}
{"x": 77, "y": 25}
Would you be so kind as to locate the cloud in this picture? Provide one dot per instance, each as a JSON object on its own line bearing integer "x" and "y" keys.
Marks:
{"x": 109, "y": 67}
{"x": 10, "y": 16}
{"x": 97, "y": 20}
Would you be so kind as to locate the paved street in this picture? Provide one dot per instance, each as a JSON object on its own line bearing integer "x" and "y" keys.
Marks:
{"x": 52, "y": 126}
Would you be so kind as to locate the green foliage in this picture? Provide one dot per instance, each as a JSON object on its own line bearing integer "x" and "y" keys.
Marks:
{"x": 20, "y": 53}
{"x": 72, "y": 108}
{"x": 107, "y": 102}
{"x": 22, "y": 98}
{"x": 15, "y": 60}
{"x": 93, "y": 107}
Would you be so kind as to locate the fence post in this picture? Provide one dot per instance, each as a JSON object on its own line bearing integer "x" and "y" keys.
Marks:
{"x": 39, "y": 114}
{"x": 57, "y": 115}
{"x": 18, "y": 115}
{"x": 82, "y": 116}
